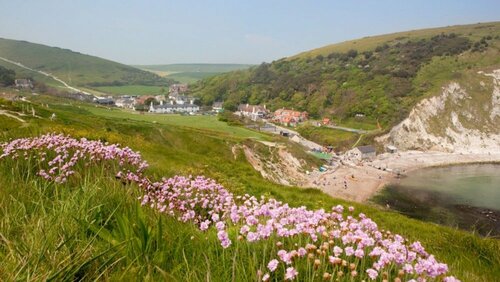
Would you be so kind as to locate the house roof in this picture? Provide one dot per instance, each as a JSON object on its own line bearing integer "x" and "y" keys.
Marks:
{"x": 251, "y": 108}
{"x": 285, "y": 112}
{"x": 366, "y": 149}
{"x": 143, "y": 99}
{"x": 170, "y": 106}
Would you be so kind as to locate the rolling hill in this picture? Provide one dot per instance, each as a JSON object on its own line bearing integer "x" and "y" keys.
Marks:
{"x": 381, "y": 77}
{"x": 74, "y": 68}
{"x": 188, "y": 73}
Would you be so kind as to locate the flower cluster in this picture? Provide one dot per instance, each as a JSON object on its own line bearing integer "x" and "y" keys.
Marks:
{"x": 57, "y": 155}
{"x": 336, "y": 243}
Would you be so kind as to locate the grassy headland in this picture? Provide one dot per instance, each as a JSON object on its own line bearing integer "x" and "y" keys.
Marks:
{"x": 96, "y": 229}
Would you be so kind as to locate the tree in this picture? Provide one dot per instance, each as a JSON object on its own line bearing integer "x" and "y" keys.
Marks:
{"x": 7, "y": 76}
{"x": 150, "y": 100}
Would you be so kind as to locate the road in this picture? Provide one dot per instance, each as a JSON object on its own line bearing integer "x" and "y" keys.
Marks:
{"x": 301, "y": 140}
{"x": 354, "y": 130}
{"x": 45, "y": 74}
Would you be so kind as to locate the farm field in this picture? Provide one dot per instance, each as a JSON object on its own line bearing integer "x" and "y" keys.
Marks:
{"x": 132, "y": 90}
{"x": 190, "y": 73}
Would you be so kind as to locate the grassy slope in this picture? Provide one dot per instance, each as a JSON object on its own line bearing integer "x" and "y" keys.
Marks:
{"x": 474, "y": 31}
{"x": 325, "y": 136}
{"x": 195, "y": 67}
{"x": 189, "y": 73}
{"x": 96, "y": 230}
{"x": 193, "y": 122}
{"x": 72, "y": 67}
{"x": 132, "y": 90}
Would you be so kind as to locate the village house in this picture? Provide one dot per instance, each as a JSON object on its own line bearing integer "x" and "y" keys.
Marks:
{"x": 170, "y": 108}
{"x": 325, "y": 121}
{"x": 104, "y": 101}
{"x": 289, "y": 117}
{"x": 362, "y": 153}
{"x": 181, "y": 99}
{"x": 126, "y": 103}
{"x": 161, "y": 98}
{"x": 24, "y": 83}
{"x": 254, "y": 112}
{"x": 177, "y": 89}
{"x": 217, "y": 107}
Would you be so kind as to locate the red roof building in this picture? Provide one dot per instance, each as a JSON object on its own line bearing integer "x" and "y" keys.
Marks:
{"x": 289, "y": 117}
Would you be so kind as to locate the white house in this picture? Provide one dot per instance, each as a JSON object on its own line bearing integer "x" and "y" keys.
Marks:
{"x": 362, "y": 153}
{"x": 217, "y": 107}
{"x": 23, "y": 83}
{"x": 173, "y": 108}
{"x": 253, "y": 112}
{"x": 127, "y": 103}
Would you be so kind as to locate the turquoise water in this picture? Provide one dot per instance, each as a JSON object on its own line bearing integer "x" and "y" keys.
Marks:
{"x": 463, "y": 196}
{"x": 476, "y": 184}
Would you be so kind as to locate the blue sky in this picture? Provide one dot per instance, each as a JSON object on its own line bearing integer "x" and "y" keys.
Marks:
{"x": 253, "y": 31}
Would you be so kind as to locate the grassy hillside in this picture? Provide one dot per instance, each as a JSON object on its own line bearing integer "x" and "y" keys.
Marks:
{"x": 382, "y": 77}
{"x": 473, "y": 31}
{"x": 95, "y": 229}
{"x": 189, "y": 73}
{"x": 132, "y": 89}
{"x": 75, "y": 68}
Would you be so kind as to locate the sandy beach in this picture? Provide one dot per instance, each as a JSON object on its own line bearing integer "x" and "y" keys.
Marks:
{"x": 359, "y": 181}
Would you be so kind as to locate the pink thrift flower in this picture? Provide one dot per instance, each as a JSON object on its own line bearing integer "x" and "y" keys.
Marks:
{"x": 272, "y": 265}
{"x": 372, "y": 273}
{"x": 291, "y": 273}
{"x": 349, "y": 251}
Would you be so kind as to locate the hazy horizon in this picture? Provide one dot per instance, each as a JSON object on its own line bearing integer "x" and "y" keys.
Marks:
{"x": 222, "y": 32}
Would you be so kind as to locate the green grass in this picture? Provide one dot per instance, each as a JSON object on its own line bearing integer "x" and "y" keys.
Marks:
{"x": 198, "y": 122}
{"x": 189, "y": 73}
{"x": 356, "y": 124}
{"x": 132, "y": 90}
{"x": 96, "y": 231}
{"x": 218, "y": 68}
{"x": 190, "y": 77}
{"x": 325, "y": 136}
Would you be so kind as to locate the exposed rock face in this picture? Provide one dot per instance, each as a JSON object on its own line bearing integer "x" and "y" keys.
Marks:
{"x": 282, "y": 168}
{"x": 458, "y": 120}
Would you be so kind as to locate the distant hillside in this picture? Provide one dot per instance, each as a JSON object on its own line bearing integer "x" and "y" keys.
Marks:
{"x": 74, "y": 68}
{"x": 381, "y": 77}
{"x": 189, "y": 73}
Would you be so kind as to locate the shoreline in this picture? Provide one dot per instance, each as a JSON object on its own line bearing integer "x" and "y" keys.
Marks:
{"x": 359, "y": 181}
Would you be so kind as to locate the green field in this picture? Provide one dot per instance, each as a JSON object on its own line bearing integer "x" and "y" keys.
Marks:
{"x": 189, "y": 73}
{"x": 133, "y": 90}
{"x": 196, "y": 122}
{"x": 190, "y": 77}
{"x": 339, "y": 139}
{"x": 96, "y": 230}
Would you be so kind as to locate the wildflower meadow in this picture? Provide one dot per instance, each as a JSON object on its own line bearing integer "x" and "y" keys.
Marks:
{"x": 307, "y": 245}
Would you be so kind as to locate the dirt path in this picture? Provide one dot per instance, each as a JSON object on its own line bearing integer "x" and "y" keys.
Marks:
{"x": 5, "y": 113}
{"x": 45, "y": 74}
